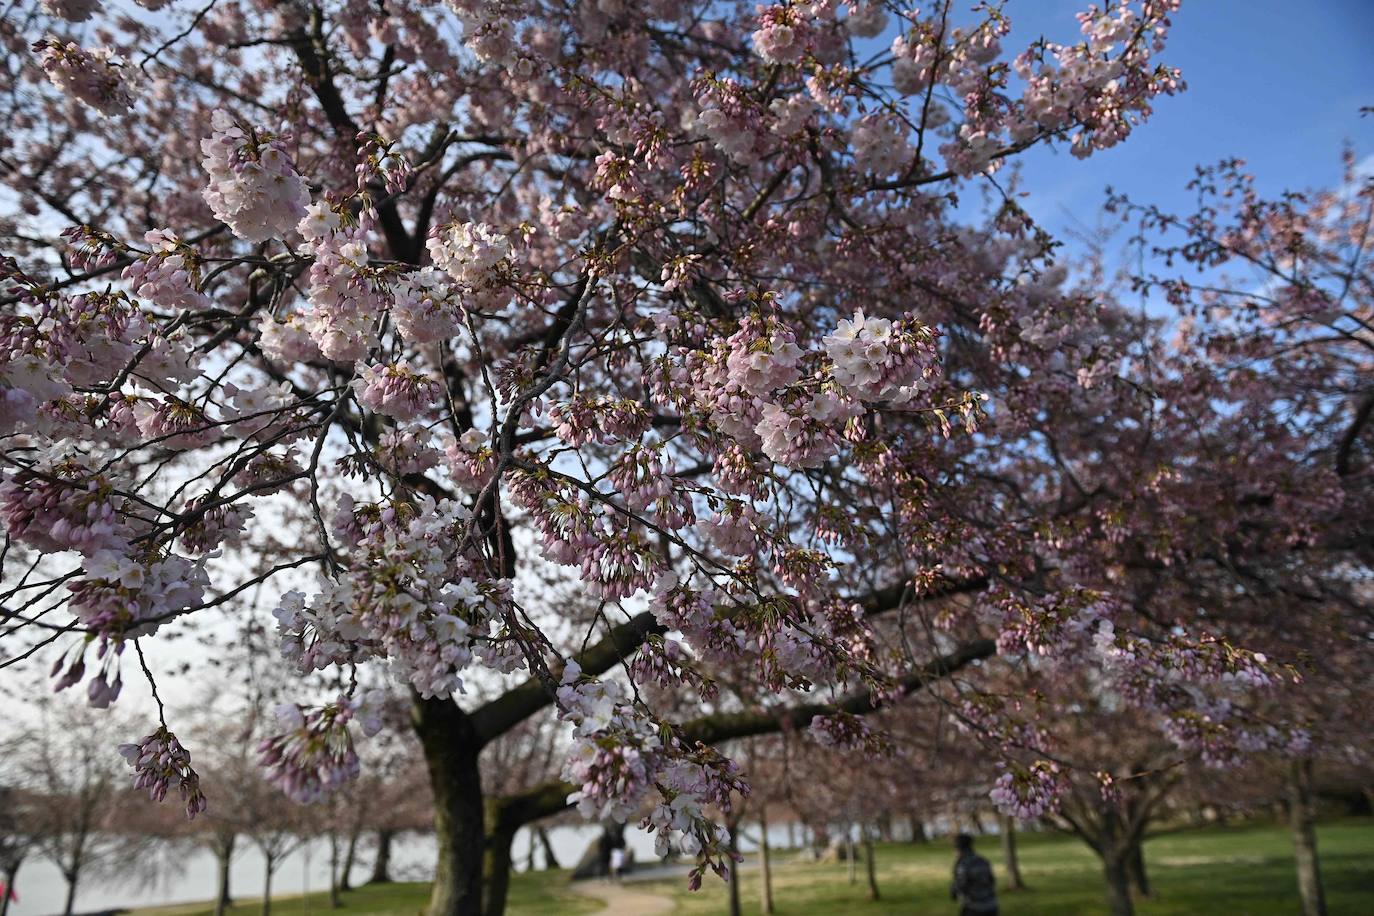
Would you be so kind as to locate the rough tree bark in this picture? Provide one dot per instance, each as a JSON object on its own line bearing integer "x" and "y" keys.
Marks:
{"x": 451, "y": 747}
{"x": 1007, "y": 834}
{"x": 1302, "y": 813}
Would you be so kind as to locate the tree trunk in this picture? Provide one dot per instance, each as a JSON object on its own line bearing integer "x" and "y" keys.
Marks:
{"x": 884, "y": 824}
{"x": 918, "y": 829}
{"x": 224, "y": 852}
{"x": 451, "y": 748}
{"x": 350, "y": 856}
{"x": 1007, "y": 834}
{"x": 1114, "y": 846}
{"x": 496, "y": 865}
{"x": 1135, "y": 869}
{"x": 381, "y": 866}
{"x": 10, "y": 874}
{"x": 1303, "y": 817}
{"x": 734, "y": 869}
{"x": 334, "y": 901}
{"x": 765, "y": 865}
{"x": 1118, "y": 883}
{"x": 550, "y": 860}
{"x": 72, "y": 877}
{"x": 869, "y": 864}
{"x": 978, "y": 826}
{"x": 267, "y": 887}
{"x": 849, "y": 853}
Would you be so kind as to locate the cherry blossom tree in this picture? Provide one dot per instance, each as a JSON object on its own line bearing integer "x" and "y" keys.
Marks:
{"x": 387, "y": 310}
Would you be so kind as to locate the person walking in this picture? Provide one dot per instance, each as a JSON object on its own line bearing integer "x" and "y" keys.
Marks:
{"x": 617, "y": 863}
{"x": 974, "y": 886}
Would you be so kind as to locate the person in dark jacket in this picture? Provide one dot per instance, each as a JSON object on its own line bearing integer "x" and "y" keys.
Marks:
{"x": 974, "y": 886}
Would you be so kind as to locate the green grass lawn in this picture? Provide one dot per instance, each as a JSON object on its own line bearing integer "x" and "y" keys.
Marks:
{"x": 539, "y": 894}
{"x": 1235, "y": 871}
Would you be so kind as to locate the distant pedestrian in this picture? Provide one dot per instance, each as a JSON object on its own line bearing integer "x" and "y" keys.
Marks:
{"x": 974, "y": 886}
{"x": 617, "y": 862}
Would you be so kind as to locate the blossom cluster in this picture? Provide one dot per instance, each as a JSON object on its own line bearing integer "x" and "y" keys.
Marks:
{"x": 254, "y": 187}
{"x": 1027, "y": 792}
{"x": 313, "y": 754}
{"x": 160, "y": 761}
{"x": 408, "y": 596}
{"x": 168, "y": 274}
{"x": 95, "y": 78}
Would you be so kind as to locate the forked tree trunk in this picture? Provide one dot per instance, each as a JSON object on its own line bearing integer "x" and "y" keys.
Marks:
{"x": 381, "y": 866}
{"x": 765, "y": 863}
{"x": 451, "y": 748}
{"x": 1302, "y": 813}
{"x": 1007, "y": 834}
{"x": 869, "y": 864}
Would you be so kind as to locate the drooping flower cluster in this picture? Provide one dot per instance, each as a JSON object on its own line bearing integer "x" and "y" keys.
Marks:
{"x": 254, "y": 187}
{"x": 95, "y": 78}
{"x": 160, "y": 761}
{"x": 1027, "y": 792}
{"x": 313, "y": 754}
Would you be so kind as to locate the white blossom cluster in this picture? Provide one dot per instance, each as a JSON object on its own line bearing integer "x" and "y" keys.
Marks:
{"x": 254, "y": 188}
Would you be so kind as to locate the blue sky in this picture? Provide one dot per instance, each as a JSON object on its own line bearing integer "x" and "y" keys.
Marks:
{"x": 1274, "y": 82}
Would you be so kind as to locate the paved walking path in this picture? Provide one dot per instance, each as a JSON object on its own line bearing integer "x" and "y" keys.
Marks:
{"x": 621, "y": 900}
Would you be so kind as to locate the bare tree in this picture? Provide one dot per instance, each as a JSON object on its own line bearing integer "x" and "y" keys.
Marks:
{"x": 67, "y": 762}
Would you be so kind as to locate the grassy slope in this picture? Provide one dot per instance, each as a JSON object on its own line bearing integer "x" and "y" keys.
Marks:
{"x": 1239, "y": 871}
{"x": 531, "y": 895}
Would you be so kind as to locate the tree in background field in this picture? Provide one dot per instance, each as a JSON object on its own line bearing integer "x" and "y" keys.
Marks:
{"x": 74, "y": 801}
{"x": 536, "y": 354}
